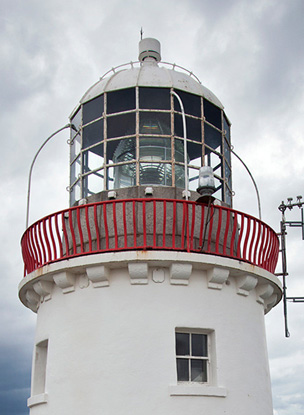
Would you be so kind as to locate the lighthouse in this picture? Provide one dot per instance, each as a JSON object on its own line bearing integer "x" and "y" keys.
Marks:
{"x": 150, "y": 289}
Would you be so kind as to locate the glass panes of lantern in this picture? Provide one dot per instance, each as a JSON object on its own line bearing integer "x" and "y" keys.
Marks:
{"x": 135, "y": 136}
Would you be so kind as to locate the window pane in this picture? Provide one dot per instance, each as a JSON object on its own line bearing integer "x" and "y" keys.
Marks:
{"x": 124, "y": 175}
{"x": 199, "y": 345}
{"x": 182, "y": 344}
{"x": 121, "y": 125}
{"x": 92, "y": 109}
{"x": 154, "y": 98}
{"x": 93, "y": 133}
{"x": 75, "y": 170}
{"x": 121, "y": 100}
{"x": 198, "y": 370}
{"x": 213, "y": 138}
{"x": 194, "y": 130}
{"x": 227, "y": 128}
{"x": 191, "y": 103}
{"x": 193, "y": 178}
{"x": 154, "y": 123}
{"x": 194, "y": 153}
{"x": 93, "y": 158}
{"x": 212, "y": 114}
{"x": 75, "y": 193}
{"x": 155, "y": 173}
{"x": 125, "y": 150}
{"x": 75, "y": 147}
{"x": 179, "y": 176}
{"x": 154, "y": 148}
{"x": 93, "y": 183}
{"x": 182, "y": 370}
{"x": 76, "y": 121}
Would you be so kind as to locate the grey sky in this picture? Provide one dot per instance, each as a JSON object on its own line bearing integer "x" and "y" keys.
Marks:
{"x": 249, "y": 53}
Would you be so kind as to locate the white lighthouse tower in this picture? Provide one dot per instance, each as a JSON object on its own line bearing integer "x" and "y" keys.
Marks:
{"x": 150, "y": 290}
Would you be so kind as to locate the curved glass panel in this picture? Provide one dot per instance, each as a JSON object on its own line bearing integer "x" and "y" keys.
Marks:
{"x": 213, "y": 114}
{"x": 154, "y": 123}
{"x": 93, "y": 109}
{"x": 194, "y": 127}
{"x": 121, "y": 100}
{"x": 124, "y": 175}
{"x": 154, "y": 98}
{"x": 92, "y": 134}
{"x": 154, "y": 149}
{"x": 191, "y": 103}
{"x": 121, "y": 125}
{"x": 155, "y": 173}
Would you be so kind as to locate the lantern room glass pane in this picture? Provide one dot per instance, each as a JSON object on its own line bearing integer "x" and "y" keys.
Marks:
{"x": 179, "y": 150}
{"x": 193, "y": 175}
{"x": 124, "y": 175}
{"x": 121, "y": 125}
{"x": 121, "y": 100}
{"x": 93, "y": 183}
{"x": 154, "y": 148}
{"x": 154, "y": 98}
{"x": 191, "y": 103}
{"x": 154, "y": 123}
{"x": 75, "y": 170}
{"x": 75, "y": 193}
{"x": 93, "y": 109}
{"x": 226, "y": 128}
{"x": 213, "y": 138}
{"x": 93, "y": 158}
{"x": 76, "y": 121}
{"x": 194, "y": 128}
{"x": 155, "y": 173}
{"x": 212, "y": 114}
{"x": 125, "y": 150}
{"x": 92, "y": 134}
{"x": 75, "y": 146}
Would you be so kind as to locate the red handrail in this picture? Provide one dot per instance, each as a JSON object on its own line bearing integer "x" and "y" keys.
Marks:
{"x": 143, "y": 224}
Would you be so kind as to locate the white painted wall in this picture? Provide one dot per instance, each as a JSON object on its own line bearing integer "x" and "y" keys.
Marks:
{"x": 111, "y": 350}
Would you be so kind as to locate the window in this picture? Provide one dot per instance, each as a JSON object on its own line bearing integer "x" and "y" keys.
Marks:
{"x": 192, "y": 356}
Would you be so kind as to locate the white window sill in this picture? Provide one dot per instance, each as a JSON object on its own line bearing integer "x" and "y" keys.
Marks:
{"x": 197, "y": 390}
{"x": 37, "y": 399}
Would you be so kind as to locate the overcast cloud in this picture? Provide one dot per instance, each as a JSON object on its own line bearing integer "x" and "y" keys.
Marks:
{"x": 249, "y": 53}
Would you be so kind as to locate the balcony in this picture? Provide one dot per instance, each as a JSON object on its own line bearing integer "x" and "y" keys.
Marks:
{"x": 149, "y": 224}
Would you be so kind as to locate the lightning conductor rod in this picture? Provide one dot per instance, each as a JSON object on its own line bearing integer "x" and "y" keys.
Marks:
{"x": 185, "y": 140}
{"x": 31, "y": 169}
{"x": 253, "y": 181}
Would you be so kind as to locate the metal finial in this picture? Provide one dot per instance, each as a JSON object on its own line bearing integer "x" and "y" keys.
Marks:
{"x": 141, "y": 33}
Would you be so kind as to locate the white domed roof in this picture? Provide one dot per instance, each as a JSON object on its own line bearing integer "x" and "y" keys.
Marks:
{"x": 149, "y": 74}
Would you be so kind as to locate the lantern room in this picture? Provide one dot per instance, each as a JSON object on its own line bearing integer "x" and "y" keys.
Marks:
{"x": 148, "y": 123}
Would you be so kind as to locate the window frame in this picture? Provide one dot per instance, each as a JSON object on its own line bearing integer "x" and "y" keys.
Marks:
{"x": 193, "y": 357}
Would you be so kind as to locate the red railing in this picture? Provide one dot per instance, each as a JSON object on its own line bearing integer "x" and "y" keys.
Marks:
{"x": 163, "y": 224}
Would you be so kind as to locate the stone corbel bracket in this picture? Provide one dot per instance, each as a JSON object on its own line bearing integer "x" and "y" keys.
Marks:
{"x": 99, "y": 276}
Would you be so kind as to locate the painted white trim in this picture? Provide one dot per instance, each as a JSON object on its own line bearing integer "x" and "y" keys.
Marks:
{"x": 197, "y": 390}
{"x": 37, "y": 399}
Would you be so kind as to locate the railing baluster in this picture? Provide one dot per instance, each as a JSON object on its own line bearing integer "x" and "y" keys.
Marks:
{"x": 65, "y": 235}
{"x": 174, "y": 224}
{"x": 144, "y": 223}
{"x": 211, "y": 210}
{"x": 72, "y": 231}
{"x": 106, "y": 225}
{"x": 218, "y": 233}
{"x": 164, "y": 223}
{"x": 115, "y": 225}
{"x": 88, "y": 227}
{"x": 125, "y": 223}
{"x": 80, "y": 229}
{"x": 154, "y": 224}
